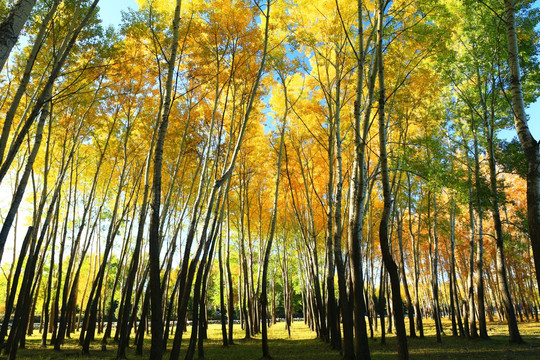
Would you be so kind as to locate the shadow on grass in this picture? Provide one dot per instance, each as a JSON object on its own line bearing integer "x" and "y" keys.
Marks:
{"x": 304, "y": 346}
{"x": 495, "y": 348}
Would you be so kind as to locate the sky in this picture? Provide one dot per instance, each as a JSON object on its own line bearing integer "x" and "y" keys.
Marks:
{"x": 110, "y": 13}
{"x": 109, "y": 10}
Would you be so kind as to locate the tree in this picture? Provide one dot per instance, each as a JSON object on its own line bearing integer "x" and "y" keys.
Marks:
{"x": 528, "y": 143}
{"x": 11, "y": 27}
{"x": 156, "y": 351}
{"x": 389, "y": 263}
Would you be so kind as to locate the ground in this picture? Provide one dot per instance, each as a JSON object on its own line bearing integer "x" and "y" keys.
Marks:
{"x": 304, "y": 345}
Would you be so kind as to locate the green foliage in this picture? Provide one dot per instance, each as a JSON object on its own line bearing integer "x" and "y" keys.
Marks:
{"x": 511, "y": 157}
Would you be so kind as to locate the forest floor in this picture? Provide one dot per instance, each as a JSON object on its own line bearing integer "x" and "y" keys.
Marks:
{"x": 304, "y": 345}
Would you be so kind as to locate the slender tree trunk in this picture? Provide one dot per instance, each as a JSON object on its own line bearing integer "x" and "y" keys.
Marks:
{"x": 49, "y": 287}
{"x": 382, "y": 304}
{"x": 208, "y": 240}
{"x": 139, "y": 338}
{"x": 480, "y": 248}
{"x": 410, "y": 308}
{"x": 331, "y": 308}
{"x": 268, "y": 250}
{"x": 230, "y": 303}
{"x": 471, "y": 318}
{"x": 110, "y": 313}
{"x": 8, "y": 309}
{"x": 125, "y": 329}
{"x": 415, "y": 250}
{"x": 345, "y": 306}
{"x": 225, "y": 339}
{"x": 29, "y": 242}
{"x": 358, "y": 195}
{"x": 434, "y": 258}
{"x": 11, "y": 27}
{"x": 21, "y": 186}
{"x": 454, "y": 299}
{"x": 390, "y": 265}
{"x": 529, "y": 144}
{"x": 156, "y": 350}
{"x": 21, "y": 89}
{"x": 500, "y": 265}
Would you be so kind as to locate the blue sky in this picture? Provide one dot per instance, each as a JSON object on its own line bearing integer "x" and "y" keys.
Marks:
{"x": 109, "y": 10}
{"x": 110, "y": 13}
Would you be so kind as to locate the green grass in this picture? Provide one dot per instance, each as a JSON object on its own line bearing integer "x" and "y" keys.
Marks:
{"x": 304, "y": 345}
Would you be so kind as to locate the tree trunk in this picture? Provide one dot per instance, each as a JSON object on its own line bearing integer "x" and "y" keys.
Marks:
{"x": 345, "y": 306}
{"x": 49, "y": 289}
{"x": 23, "y": 83}
{"x": 434, "y": 259}
{"x": 156, "y": 350}
{"x": 415, "y": 250}
{"x": 11, "y": 300}
{"x": 332, "y": 314}
{"x": 454, "y": 298}
{"x": 529, "y": 144}
{"x": 471, "y": 318}
{"x": 500, "y": 266}
{"x": 480, "y": 248}
{"x": 358, "y": 195}
{"x": 410, "y": 308}
{"x": 390, "y": 265}
{"x": 268, "y": 250}
{"x": 11, "y": 27}
{"x": 225, "y": 339}
{"x": 230, "y": 303}
{"x": 382, "y": 304}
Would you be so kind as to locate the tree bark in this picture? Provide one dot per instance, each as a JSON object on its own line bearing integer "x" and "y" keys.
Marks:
{"x": 434, "y": 259}
{"x": 11, "y": 27}
{"x": 480, "y": 303}
{"x": 345, "y": 306}
{"x": 10, "y": 114}
{"x": 225, "y": 339}
{"x": 268, "y": 250}
{"x": 500, "y": 261}
{"x": 358, "y": 196}
{"x": 415, "y": 250}
{"x": 529, "y": 144}
{"x": 156, "y": 350}
{"x": 410, "y": 308}
{"x": 390, "y": 265}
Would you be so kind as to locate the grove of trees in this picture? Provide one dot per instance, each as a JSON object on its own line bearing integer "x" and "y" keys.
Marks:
{"x": 256, "y": 160}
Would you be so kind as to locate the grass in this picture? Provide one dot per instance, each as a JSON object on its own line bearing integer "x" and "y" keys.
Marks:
{"x": 497, "y": 347}
{"x": 304, "y": 345}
